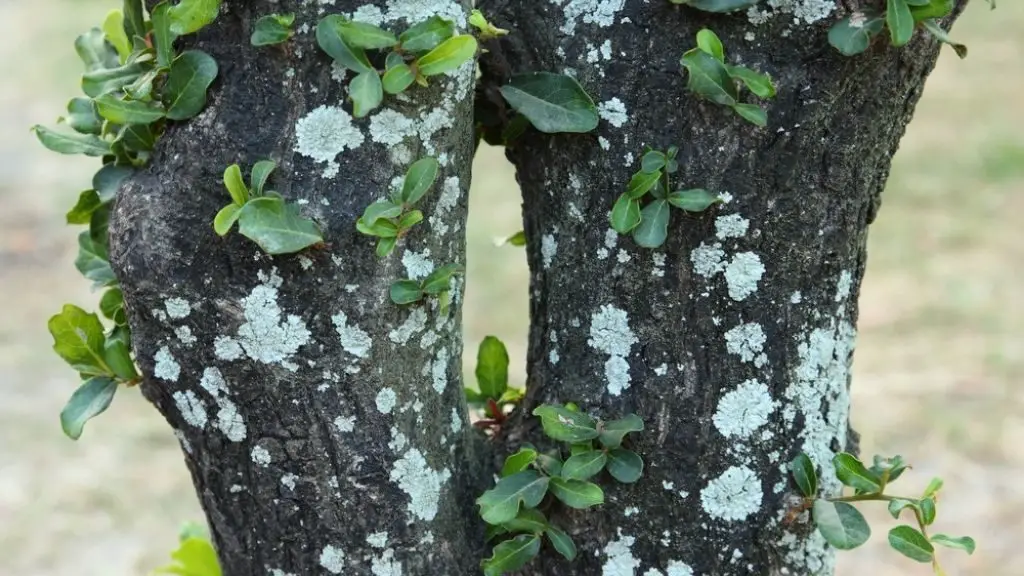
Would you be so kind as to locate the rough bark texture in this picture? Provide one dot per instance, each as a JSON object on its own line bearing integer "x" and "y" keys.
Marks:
{"x": 324, "y": 426}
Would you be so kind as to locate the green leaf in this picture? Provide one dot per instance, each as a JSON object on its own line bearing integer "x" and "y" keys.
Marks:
{"x": 109, "y": 80}
{"x": 927, "y": 507}
{"x": 709, "y": 42}
{"x": 584, "y": 465}
{"x": 653, "y": 228}
{"x": 71, "y": 143}
{"x": 551, "y": 102}
{"x": 899, "y": 504}
{"x": 78, "y": 339}
{"x": 410, "y": 219}
{"x": 577, "y": 493}
{"x": 492, "y": 367}
{"x": 933, "y": 9}
{"x": 550, "y": 463}
{"x": 272, "y": 29}
{"x": 518, "y": 239}
{"x": 708, "y": 78}
{"x": 363, "y": 35}
{"x": 941, "y": 35}
{"x": 933, "y": 487}
{"x": 529, "y": 520}
{"x": 501, "y": 503}
{"x": 118, "y": 357}
{"x": 854, "y": 474}
{"x": 853, "y": 34}
{"x": 900, "y": 21}
{"x": 752, "y": 113}
{"x": 142, "y": 88}
{"x": 625, "y": 214}
{"x": 260, "y": 174}
{"x": 717, "y": 5}
{"x": 398, "y": 78}
{"x": 366, "y": 92}
{"x": 418, "y": 180}
{"x": 561, "y": 542}
{"x": 88, "y": 202}
{"x": 965, "y": 543}
{"x": 380, "y": 209}
{"x": 98, "y": 226}
{"x": 895, "y": 467}
{"x": 625, "y": 465}
{"x": 235, "y": 184}
{"x": 642, "y": 182}
{"x": 380, "y": 229}
{"x": 94, "y": 51}
{"x": 112, "y": 305}
{"x": 758, "y": 83}
{"x": 88, "y": 401}
{"x": 908, "y": 541}
{"x": 406, "y": 292}
{"x": 107, "y": 180}
{"x": 120, "y": 111}
{"x": 511, "y": 555}
{"x": 134, "y": 20}
{"x": 276, "y": 227}
{"x": 226, "y": 218}
{"x": 163, "y": 38}
{"x": 448, "y": 56}
{"x": 652, "y": 162}
{"x": 426, "y": 35}
{"x": 565, "y": 425}
{"x": 614, "y": 431}
{"x": 440, "y": 279}
{"x": 519, "y": 461}
{"x": 840, "y": 524}
{"x": 135, "y": 138}
{"x": 82, "y": 116}
{"x": 194, "y": 557}
{"x": 189, "y": 16}
{"x": 92, "y": 262}
{"x": 804, "y": 475}
{"x": 191, "y": 74}
{"x": 328, "y": 37}
{"x": 693, "y": 200}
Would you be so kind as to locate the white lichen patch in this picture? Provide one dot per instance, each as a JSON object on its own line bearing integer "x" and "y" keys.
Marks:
{"x": 185, "y": 336}
{"x": 265, "y": 336}
{"x": 614, "y": 112}
{"x": 616, "y": 371}
{"x": 288, "y": 481}
{"x": 548, "y": 249}
{"x": 742, "y": 275}
{"x": 177, "y": 308}
{"x": 324, "y": 133}
{"x": 414, "y": 324}
{"x": 732, "y": 496}
{"x": 610, "y": 334}
{"x": 378, "y": 540}
{"x": 731, "y": 226}
{"x": 743, "y": 410}
{"x": 227, "y": 348}
{"x": 456, "y": 421}
{"x": 386, "y": 565}
{"x": 332, "y": 559}
{"x": 260, "y": 456}
{"x": 166, "y": 367}
{"x": 598, "y": 12}
{"x": 620, "y": 561}
{"x": 808, "y": 11}
{"x": 345, "y": 423}
{"x": 747, "y": 342}
{"x": 843, "y": 288}
{"x": 439, "y": 371}
{"x": 354, "y": 339}
{"x": 708, "y": 260}
{"x": 390, "y": 127}
{"x": 414, "y": 11}
{"x": 677, "y": 568}
{"x": 417, "y": 265}
{"x": 386, "y": 400}
{"x": 420, "y": 482}
{"x": 451, "y": 191}
{"x": 229, "y": 420}
{"x": 191, "y": 407}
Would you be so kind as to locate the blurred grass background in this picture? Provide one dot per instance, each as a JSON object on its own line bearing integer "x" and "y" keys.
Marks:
{"x": 938, "y": 365}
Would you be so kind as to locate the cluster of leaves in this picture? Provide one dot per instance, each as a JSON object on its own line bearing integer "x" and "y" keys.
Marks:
{"x": 272, "y": 29}
{"x": 428, "y": 48}
{"x": 649, "y": 224}
{"x": 495, "y": 397}
{"x": 134, "y": 83}
{"x": 437, "y": 284}
{"x": 845, "y": 528}
{"x": 263, "y": 216}
{"x": 711, "y": 78}
{"x": 195, "y": 555}
{"x": 391, "y": 219}
{"x": 551, "y": 103}
{"x": 854, "y": 34}
{"x": 533, "y": 481}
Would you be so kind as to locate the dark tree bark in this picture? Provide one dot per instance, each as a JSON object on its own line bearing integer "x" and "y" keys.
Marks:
{"x": 324, "y": 426}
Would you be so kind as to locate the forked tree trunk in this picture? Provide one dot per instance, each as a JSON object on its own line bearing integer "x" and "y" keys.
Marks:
{"x": 325, "y": 427}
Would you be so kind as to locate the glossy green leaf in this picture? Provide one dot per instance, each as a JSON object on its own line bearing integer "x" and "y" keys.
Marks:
{"x": 642, "y": 182}
{"x": 550, "y": 463}
{"x": 625, "y": 214}
{"x": 328, "y": 37}
{"x": 614, "y": 431}
{"x": 501, "y": 503}
{"x": 584, "y": 465}
{"x": 410, "y": 219}
{"x": 511, "y": 555}
{"x": 965, "y": 543}
{"x": 78, "y": 339}
{"x": 194, "y": 557}
{"x": 708, "y": 78}
{"x": 908, "y": 541}
{"x": 134, "y": 19}
{"x": 135, "y": 138}
{"x": 758, "y": 83}
{"x": 367, "y": 36}
{"x": 235, "y": 184}
{"x": 717, "y": 5}
{"x": 804, "y": 475}
{"x": 260, "y": 174}
{"x": 98, "y": 226}
{"x": 109, "y": 80}
{"x": 928, "y": 511}
{"x": 519, "y": 461}
{"x": 561, "y": 542}
{"x": 108, "y": 179}
{"x": 440, "y": 279}
{"x": 81, "y": 213}
{"x": 625, "y": 465}
{"x": 398, "y": 78}
{"x": 385, "y": 246}
{"x": 163, "y": 38}
{"x": 899, "y": 504}
{"x": 842, "y": 525}
{"x": 121, "y": 111}
{"x": 380, "y": 209}
{"x": 551, "y": 102}
{"x": 418, "y": 179}
{"x": 709, "y": 42}
{"x": 190, "y": 76}
{"x": 492, "y": 367}
{"x": 693, "y": 200}
{"x": 447, "y": 56}
{"x": 518, "y": 239}
{"x": 565, "y": 425}
{"x": 933, "y": 487}
{"x": 189, "y": 16}
{"x": 366, "y": 92}
{"x": 900, "y": 21}
{"x": 528, "y": 520}
{"x": 91, "y": 261}
{"x": 894, "y": 466}
{"x": 752, "y": 113}
{"x": 226, "y": 218}
{"x": 933, "y": 9}
{"x": 88, "y": 401}
{"x": 406, "y": 292}
{"x": 941, "y": 35}
{"x": 142, "y": 88}
{"x": 853, "y": 34}
{"x": 854, "y": 474}
{"x": 277, "y": 227}
{"x": 653, "y": 228}
{"x": 380, "y": 229}
{"x": 577, "y": 493}
{"x": 426, "y": 35}
{"x": 82, "y": 116}
{"x": 112, "y": 305}
{"x": 272, "y": 29}
{"x": 118, "y": 357}
{"x": 94, "y": 51}
{"x": 652, "y": 162}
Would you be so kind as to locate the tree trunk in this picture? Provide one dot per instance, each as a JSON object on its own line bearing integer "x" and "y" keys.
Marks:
{"x": 325, "y": 427}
